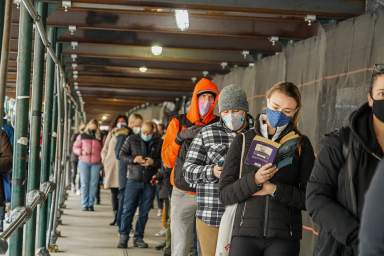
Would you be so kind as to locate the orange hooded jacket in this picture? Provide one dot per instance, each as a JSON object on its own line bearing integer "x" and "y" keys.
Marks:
{"x": 170, "y": 149}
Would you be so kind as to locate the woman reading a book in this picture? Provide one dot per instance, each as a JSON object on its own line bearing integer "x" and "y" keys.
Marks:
{"x": 275, "y": 160}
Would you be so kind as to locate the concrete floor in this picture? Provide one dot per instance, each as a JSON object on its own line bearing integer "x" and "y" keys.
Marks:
{"x": 89, "y": 233}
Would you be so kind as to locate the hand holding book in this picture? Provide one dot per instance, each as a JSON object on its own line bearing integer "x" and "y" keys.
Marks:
{"x": 265, "y": 173}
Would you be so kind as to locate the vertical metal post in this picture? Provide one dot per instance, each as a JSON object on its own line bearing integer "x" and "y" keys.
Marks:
{"x": 2, "y": 7}
{"x": 34, "y": 161}
{"x": 20, "y": 152}
{"x": 55, "y": 153}
{"x": 47, "y": 136}
{"x": 6, "y": 32}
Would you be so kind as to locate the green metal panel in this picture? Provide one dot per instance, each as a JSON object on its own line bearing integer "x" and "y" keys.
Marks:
{"x": 20, "y": 152}
{"x": 34, "y": 161}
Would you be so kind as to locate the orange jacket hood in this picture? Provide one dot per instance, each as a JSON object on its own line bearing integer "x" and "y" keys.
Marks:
{"x": 193, "y": 115}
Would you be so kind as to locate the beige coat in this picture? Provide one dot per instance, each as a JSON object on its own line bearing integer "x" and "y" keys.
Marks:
{"x": 108, "y": 156}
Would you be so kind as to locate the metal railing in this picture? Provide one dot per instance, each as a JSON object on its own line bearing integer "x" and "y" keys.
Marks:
{"x": 20, "y": 215}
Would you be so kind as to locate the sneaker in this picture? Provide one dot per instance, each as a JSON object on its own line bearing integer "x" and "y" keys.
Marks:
{"x": 91, "y": 209}
{"x": 84, "y": 209}
{"x": 139, "y": 243}
{"x": 162, "y": 232}
{"x": 159, "y": 213}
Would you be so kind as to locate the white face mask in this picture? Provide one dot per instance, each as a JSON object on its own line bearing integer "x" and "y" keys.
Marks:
{"x": 136, "y": 130}
{"x": 233, "y": 121}
{"x": 121, "y": 125}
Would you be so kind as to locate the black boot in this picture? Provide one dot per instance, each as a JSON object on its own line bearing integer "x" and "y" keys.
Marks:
{"x": 123, "y": 242}
{"x": 113, "y": 223}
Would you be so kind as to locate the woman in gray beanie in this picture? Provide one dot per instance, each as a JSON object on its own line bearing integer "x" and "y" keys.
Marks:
{"x": 205, "y": 160}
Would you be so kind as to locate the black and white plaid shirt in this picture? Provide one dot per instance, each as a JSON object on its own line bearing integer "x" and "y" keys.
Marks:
{"x": 208, "y": 149}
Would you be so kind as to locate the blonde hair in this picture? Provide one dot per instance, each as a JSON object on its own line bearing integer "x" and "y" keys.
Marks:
{"x": 150, "y": 124}
{"x": 292, "y": 91}
{"x": 95, "y": 122}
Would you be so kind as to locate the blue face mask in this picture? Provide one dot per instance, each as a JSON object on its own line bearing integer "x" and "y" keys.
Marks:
{"x": 146, "y": 138}
{"x": 277, "y": 118}
{"x": 233, "y": 121}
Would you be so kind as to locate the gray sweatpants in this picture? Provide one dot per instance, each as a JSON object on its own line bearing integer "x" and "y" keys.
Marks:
{"x": 183, "y": 215}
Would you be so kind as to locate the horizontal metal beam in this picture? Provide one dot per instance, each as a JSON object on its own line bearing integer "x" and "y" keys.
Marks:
{"x": 136, "y": 92}
{"x": 172, "y": 40}
{"x": 225, "y": 26}
{"x": 324, "y": 7}
{"x": 144, "y": 54}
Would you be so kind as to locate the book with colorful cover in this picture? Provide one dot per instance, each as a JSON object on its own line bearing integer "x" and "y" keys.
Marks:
{"x": 264, "y": 151}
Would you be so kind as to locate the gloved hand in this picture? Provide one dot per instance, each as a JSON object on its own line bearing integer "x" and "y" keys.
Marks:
{"x": 188, "y": 133}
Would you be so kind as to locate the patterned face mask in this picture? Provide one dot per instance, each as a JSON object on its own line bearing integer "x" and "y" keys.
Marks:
{"x": 277, "y": 118}
{"x": 233, "y": 121}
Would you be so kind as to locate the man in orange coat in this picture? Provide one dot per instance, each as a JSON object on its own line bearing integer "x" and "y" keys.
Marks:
{"x": 182, "y": 129}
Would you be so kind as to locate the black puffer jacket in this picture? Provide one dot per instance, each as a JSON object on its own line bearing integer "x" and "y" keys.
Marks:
{"x": 135, "y": 146}
{"x": 267, "y": 216}
{"x": 336, "y": 189}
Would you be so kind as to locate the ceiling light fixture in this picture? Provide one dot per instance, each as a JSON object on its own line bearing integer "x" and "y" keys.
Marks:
{"x": 194, "y": 79}
{"x": 205, "y": 73}
{"x": 251, "y": 64}
{"x": 72, "y": 29}
{"x": 66, "y": 4}
{"x": 182, "y": 19}
{"x": 143, "y": 69}
{"x": 74, "y": 66}
{"x": 224, "y": 65}
{"x": 274, "y": 40}
{"x": 73, "y": 57}
{"x": 156, "y": 50}
{"x": 310, "y": 19}
{"x": 75, "y": 72}
{"x": 245, "y": 53}
{"x": 75, "y": 77}
{"x": 74, "y": 45}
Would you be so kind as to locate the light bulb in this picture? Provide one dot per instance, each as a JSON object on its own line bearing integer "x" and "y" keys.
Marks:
{"x": 182, "y": 19}
{"x": 156, "y": 50}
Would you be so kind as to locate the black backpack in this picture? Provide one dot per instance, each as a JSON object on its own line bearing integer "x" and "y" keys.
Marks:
{"x": 179, "y": 179}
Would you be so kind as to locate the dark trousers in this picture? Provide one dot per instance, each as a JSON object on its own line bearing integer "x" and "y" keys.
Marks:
{"x": 115, "y": 199}
{"x": 137, "y": 194}
{"x": 121, "y": 205}
{"x": 241, "y": 246}
{"x": 74, "y": 173}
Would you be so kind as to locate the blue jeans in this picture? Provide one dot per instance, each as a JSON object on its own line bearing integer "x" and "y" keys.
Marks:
{"x": 136, "y": 194}
{"x": 121, "y": 205}
{"x": 89, "y": 177}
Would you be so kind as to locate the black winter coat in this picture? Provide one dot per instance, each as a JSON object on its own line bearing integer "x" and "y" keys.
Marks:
{"x": 372, "y": 225}
{"x": 336, "y": 189}
{"x": 135, "y": 146}
{"x": 266, "y": 216}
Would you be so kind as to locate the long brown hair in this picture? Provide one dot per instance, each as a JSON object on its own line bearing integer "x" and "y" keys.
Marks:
{"x": 290, "y": 90}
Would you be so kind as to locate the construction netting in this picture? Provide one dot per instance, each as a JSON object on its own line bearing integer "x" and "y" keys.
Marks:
{"x": 332, "y": 70}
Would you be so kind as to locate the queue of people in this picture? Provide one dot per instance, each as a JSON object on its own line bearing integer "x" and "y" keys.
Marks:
{"x": 231, "y": 183}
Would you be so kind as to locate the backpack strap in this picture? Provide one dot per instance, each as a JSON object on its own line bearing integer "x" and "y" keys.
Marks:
{"x": 242, "y": 155}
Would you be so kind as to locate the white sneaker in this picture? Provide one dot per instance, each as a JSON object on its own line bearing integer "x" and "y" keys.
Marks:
{"x": 159, "y": 213}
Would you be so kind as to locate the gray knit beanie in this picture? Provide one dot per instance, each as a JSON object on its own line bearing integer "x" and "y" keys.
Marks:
{"x": 233, "y": 97}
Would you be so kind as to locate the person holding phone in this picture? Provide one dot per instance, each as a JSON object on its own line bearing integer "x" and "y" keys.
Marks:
{"x": 268, "y": 219}
{"x": 205, "y": 159}
{"x": 142, "y": 155}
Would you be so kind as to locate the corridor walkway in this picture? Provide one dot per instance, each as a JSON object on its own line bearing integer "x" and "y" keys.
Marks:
{"x": 89, "y": 233}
